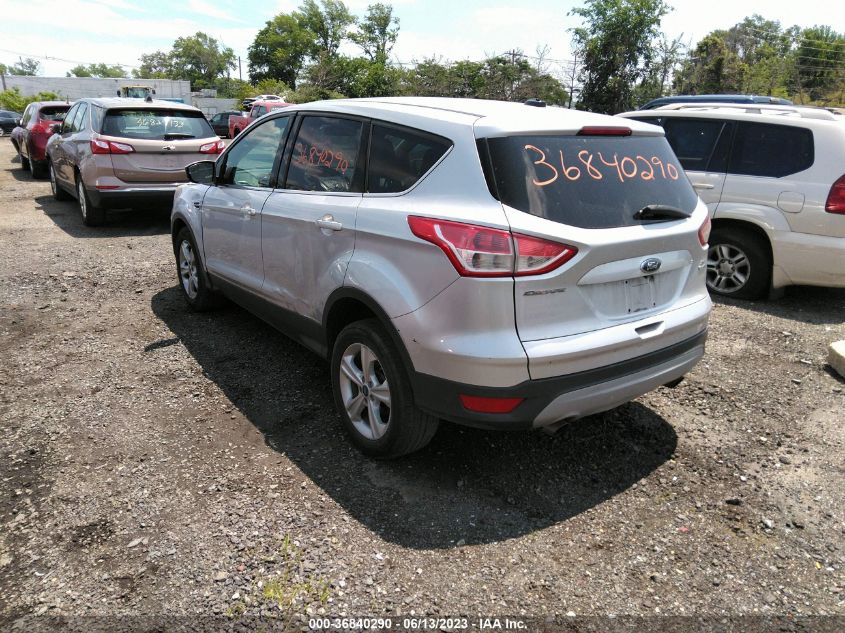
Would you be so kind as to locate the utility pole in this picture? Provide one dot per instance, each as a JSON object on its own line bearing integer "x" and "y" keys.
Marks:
{"x": 240, "y": 74}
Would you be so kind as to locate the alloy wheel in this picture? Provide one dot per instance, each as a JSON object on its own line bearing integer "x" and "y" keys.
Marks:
{"x": 188, "y": 269}
{"x": 365, "y": 391}
{"x": 728, "y": 268}
{"x": 83, "y": 201}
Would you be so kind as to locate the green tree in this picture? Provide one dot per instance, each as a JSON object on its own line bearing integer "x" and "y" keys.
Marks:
{"x": 377, "y": 32}
{"x": 712, "y": 68}
{"x": 616, "y": 43}
{"x": 200, "y": 59}
{"x": 156, "y": 65}
{"x": 25, "y": 66}
{"x": 819, "y": 62}
{"x": 15, "y": 101}
{"x": 97, "y": 70}
{"x": 280, "y": 49}
{"x": 329, "y": 25}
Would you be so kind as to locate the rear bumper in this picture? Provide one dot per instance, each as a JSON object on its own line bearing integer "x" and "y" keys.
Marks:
{"x": 549, "y": 400}
{"x": 813, "y": 260}
{"x": 132, "y": 197}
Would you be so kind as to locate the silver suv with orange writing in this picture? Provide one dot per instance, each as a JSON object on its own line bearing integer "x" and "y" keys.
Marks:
{"x": 492, "y": 264}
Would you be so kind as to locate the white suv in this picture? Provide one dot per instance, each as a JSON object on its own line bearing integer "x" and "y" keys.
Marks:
{"x": 774, "y": 179}
{"x": 493, "y": 264}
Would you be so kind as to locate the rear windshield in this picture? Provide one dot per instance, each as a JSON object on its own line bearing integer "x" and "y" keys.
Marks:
{"x": 53, "y": 113}
{"x": 156, "y": 124}
{"x": 587, "y": 181}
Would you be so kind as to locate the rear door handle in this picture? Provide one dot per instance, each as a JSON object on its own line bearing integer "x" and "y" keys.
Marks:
{"x": 702, "y": 185}
{"x": 248, "y": 211}
{"x": 329, "y": 223}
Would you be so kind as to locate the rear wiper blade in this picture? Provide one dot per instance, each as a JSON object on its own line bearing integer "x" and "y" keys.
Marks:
{"x": 172, "y": 135}
{"x": 660, "y": 212}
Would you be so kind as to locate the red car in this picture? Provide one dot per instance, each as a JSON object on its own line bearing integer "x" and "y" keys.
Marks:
{"x": 36, "y": 127}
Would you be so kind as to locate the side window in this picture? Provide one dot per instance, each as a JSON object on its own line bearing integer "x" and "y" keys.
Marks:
{"x": 693, "y": 140}
{"x": 27, "y": 115}
{"x": 78, "y": 121}
{"x": 251, "y": 162}
{"x": 762, "y": 149}
{"x": 721, "y": 153}
{"x": 399, "y": 157}
{"x": 67, "y": 124}
{"x": 259, "y": 111}
{"x": 325, "y": 155}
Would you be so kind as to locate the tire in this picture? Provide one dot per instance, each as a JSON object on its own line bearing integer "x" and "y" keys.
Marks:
{"x": 36, "y": 169}
{"x": 191, "y": 274}
{"x": 91, "y": 215}
{"x": 58, "y": 193}
{"x": 365, "y": 362}
{"x": 24, "y": 161}
{"x": 738, "y": 264}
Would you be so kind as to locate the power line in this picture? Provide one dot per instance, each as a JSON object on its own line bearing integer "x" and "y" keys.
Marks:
{"x": 58, "y": 59}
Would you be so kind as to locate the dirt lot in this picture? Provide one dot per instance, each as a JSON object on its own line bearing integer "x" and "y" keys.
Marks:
{"x": 159, "y": 462}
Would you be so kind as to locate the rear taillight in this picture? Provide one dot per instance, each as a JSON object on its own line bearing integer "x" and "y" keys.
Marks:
{"x": 535, "y": 256}
{"x": 704, "y": 231}
{"x": 99, "y": 146}
{"x": 475, "y": 251}
{"x": 836, "y": 198}
{"x": 215, "y": 147}
{"x": 480, "y": 251}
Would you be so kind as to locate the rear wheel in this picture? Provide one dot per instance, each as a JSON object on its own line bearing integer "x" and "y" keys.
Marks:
{"x": 373, "y": 395}
{"x": 738, "y": 264}
{"x": 24, "y": 161}
{"x": 91, "y": 214}
{"x": 36, "y": 169}
{"x": 192, "y": 278}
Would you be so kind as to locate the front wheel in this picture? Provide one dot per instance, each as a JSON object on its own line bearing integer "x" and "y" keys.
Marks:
{"x": 58, "y": 193}
{"x": 373, "y": 395}
{"x": 738, "y": 264}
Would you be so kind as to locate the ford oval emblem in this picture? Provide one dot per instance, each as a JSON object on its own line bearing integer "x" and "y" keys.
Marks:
{"x": 650, "y": 265}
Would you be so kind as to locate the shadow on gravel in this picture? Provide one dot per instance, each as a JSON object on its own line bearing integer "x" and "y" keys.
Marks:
{"x": 807, "y": 304}
{"x": 119, "y": 223}
{"x": 468, "y": 486}
{"x": 19, "y": 174}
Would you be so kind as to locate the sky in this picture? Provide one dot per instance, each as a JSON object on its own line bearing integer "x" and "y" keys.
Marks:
{"x": 62, "y": 34}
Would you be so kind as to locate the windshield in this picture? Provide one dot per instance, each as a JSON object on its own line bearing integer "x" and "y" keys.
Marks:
{"x": 156, "y": 124}
{"x": 589, "y": 181}
{"x": 137, "y": 93}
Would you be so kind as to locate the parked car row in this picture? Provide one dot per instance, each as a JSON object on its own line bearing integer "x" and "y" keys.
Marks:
{"x": 113, "y": 152}
{"x": 773, "y": 177}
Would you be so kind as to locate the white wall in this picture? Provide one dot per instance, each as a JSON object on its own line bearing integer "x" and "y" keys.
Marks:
{"x": 72, "y": 88}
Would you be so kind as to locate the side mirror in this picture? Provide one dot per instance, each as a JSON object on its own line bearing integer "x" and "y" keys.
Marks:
{"x": 19, "y": 122}
{"x": 56, "y": 128}
{"x": 201, "y": 172}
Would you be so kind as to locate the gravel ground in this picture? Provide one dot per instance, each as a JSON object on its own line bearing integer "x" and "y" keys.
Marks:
{"x": 158, "y": 462}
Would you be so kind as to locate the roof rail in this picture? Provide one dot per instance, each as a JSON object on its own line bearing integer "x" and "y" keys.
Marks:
{"x": 804, "y": 112}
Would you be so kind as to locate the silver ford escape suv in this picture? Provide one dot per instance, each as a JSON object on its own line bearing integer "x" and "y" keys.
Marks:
{"x": 492, "y": 264}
